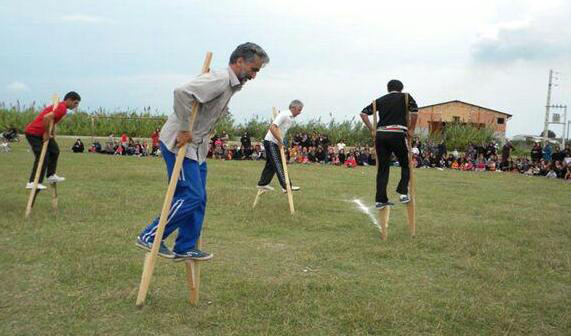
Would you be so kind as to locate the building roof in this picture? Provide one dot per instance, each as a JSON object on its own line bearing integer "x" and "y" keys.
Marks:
{"x": 459, "y": 101}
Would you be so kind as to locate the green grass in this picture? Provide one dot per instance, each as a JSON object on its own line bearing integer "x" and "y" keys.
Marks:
{"x": 491, "y": 256}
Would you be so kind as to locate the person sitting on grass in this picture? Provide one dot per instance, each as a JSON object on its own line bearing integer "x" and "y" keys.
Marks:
{"x": 467, "y": 166}
{"x": 78, "y": 146}
{"x": 351, "y": 162}
{"x": 492, "y": 164}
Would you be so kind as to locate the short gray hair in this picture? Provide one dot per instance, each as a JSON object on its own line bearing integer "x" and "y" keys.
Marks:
{"x": 295, "y": 103}
{"x": 248, "y": 51}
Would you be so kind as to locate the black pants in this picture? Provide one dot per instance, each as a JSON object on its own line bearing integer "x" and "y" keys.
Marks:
{"x": 387, "y": 143}
{"x": 50, "y": 160}
{"x": 273, "y": 165}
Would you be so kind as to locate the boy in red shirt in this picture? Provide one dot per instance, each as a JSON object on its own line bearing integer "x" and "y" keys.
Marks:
{"x": 37, "y": 132}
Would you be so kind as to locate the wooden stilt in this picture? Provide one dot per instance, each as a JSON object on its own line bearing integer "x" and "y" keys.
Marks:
{"x": 384, "y": 215}
{"x": 286, "y": 175}
{"x": 193, "y": 280}
{"x": 193, "y": 277}
{"x": 34, "y": 191}
{"x": 54, "y": 195}
{"x": 150, "y": 258}
{"x": 258, "y": 194}
{"x": 411, "y": 206}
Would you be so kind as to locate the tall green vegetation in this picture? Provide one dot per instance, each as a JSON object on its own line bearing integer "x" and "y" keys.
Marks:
{"x": 103, "y": 123}
{"x": 459, "y": 135}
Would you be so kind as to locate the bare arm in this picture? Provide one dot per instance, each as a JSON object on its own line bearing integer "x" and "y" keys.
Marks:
{"x": 276, "y": 133}
{"x": 48, "y": 118}
{"x": 367, "y": 122}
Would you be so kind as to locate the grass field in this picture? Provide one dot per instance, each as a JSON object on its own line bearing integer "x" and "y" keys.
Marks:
{"x": 492, "y": 255}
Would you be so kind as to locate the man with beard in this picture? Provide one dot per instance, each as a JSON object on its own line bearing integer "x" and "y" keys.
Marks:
{"x": 213, "y": 91}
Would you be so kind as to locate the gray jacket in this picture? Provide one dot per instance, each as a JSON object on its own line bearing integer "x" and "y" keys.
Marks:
{"x": 213, "y": 91}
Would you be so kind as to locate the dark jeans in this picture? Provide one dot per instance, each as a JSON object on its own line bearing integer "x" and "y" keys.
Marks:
{"x": 50, "y": 160}
{"x": 387, "y": 143}
{"x": 273, "y": 165}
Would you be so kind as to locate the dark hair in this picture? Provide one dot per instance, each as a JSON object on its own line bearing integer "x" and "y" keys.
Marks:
{"x": 72, "y": 95}
{"x": 394, "y": 85}
{"x": 248, "y": 51}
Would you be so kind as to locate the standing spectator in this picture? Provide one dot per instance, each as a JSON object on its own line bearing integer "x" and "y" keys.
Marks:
{"x": 547, "y": 152}
{"x": 536, "y": 152}
{"x": 246, "y": 141}
{"x": 341, "y": 146}
{"x": 224, "y": 137}
{"x": 124, "y": 140}
{"x": 506, "y": 151}
{"x": 155, "y": 140}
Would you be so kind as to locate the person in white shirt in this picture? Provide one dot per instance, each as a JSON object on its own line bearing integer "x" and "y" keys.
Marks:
{"x": 273, "y": 139}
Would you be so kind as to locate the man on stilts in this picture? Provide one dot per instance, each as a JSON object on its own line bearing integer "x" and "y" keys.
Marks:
{"x": 274, "y": 138}
{"x": 213, "y": 90}
{"x": 38, "y": 131}
{"x": 395, "y": 123}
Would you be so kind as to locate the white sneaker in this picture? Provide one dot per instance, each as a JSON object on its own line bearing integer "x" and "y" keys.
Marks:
{"x": 404, "y": 199}
{"x": 30, "y": 185}
{"x": 293, "y": 188}
{"x": 266, "y": 187}
{"x": 55, "y": 179}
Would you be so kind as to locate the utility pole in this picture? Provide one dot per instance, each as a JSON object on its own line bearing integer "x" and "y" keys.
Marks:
{"x": 547, "y": 106}
{"x": 565, "y": 131}
{"x": 558, "y": 121}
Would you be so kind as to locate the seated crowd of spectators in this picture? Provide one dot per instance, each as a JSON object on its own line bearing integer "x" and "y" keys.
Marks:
{"x": 303, "y": 149}
{"x": 546, "y": 161}
{"x": 550, "y": 161}
{"x": 125, "y": 145}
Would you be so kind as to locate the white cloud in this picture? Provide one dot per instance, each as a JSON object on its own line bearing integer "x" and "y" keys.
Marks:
{"x": 84, "y": 18}
{"x": 17, "y": 86}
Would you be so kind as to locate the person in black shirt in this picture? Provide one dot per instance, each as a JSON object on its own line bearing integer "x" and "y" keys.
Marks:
{"x": 78, "y": 146}
{"x": 394, "y": 124}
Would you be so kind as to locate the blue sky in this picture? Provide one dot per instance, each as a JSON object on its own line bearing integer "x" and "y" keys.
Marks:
{"x": 333, "y": 55}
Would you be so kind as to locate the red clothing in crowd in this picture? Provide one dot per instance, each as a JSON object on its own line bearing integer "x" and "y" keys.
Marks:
{"x": 351, "y": 162}
{"x": 124, "y": 138}
{"x": 37, "y": 128}
{"x": 155, "y": 138}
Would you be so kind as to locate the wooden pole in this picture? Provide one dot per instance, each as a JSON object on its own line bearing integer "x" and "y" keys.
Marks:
{"x": 384, "y": 213}
{"x": 284, "y": 164}
{"x": 411, "y": 206}
{"x": 258, "y": 194}
{"x": 151, "y": 257}
{"x": 34, "y": 191}
{"x": 54, "y": 195}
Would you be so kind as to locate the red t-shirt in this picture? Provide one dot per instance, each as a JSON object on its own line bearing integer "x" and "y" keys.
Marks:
{"x": 37, "y": 128}
{"x": 155, "y": 138}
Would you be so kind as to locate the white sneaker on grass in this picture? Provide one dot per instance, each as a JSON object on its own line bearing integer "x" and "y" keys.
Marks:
{"x": 55, "y": 179}
{"x": 293, "y": 188}
{"x": 265, "y": 187}
{"x": 30, "y": 185}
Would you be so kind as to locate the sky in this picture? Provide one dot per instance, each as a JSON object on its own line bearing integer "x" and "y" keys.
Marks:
{"x": 335, "y": 56}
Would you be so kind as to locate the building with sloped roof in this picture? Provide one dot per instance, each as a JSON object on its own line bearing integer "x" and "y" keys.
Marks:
{"x": 433, "y": 118}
